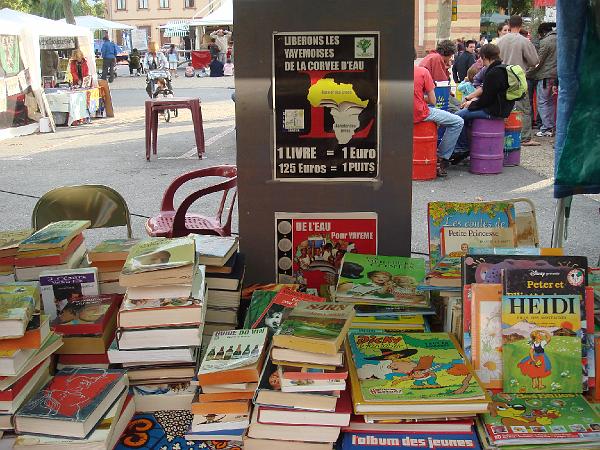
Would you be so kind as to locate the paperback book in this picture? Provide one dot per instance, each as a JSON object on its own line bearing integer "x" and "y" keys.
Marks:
{"x": 214, "y": 250}
{"x": 409, "y": 440}
{"x": 87, "y": 315}
{"x": 456, "y": 241}
{"x": 9, "y": 243}
{"x": 233, "y": 349}
{"x": 60, "y": 287}
{"x": 55, "y": 235}
{"x": 159, "y": 254}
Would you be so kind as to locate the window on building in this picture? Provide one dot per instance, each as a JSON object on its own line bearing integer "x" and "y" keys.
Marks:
{"x": 142, "y": 4}
{"x": 163, "y": 3}
{"x": 189, "y": 3}
{"x": 121, "y": 4}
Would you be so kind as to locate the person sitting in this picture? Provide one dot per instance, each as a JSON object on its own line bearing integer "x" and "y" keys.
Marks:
{"x": 216, "y": 68}
{"x": 228, "y": 68}
{"x": 162, "y": 88}
{"x": 439, "y": 61}
{"x": 466, "y": 86}
{"x": 492, "y": 102}
{"x": 427, "y": 112}
{"x": 134, "y": 62}
{"x": 78, "y": 67}
{"x": 189, "y": 71}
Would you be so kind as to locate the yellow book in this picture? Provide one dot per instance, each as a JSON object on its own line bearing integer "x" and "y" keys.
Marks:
{"x": 56, "y": 235}
{"x": 416, "y": 319}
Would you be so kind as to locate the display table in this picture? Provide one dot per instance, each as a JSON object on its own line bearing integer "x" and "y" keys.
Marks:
{"x": 71, "y": 105}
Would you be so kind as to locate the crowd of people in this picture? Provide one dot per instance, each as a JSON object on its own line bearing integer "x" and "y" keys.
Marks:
{"x": 479, "y": 70}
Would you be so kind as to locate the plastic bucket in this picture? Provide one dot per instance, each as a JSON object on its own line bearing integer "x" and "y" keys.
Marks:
{"x": 45, "y": 125}
{"x": 487, "y": 146}
{"x": 442, "y": 95}
{"x": 424, "y": 151}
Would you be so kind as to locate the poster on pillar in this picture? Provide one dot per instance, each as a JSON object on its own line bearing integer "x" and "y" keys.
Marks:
{"x": 326, "y": 106}
{"x": 309, "y": 247}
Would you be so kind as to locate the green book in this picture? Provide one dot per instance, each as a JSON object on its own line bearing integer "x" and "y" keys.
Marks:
{"x": 16, "y": 311}
{"x": 54, "y": 235}
{"x": 381, "y": 279}
{"x": 159, "y": 254}
{"x": 12, "y": 239}
{"x": 23, "y": 288}
{"x": 112, "y": 250}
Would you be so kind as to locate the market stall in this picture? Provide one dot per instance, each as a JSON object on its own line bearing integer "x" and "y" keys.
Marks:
{"x": 220, "y": 17}
{"x": 42, "y": 40}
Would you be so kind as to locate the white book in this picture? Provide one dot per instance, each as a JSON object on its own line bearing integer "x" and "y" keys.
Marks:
{"x": 58, "y": 287}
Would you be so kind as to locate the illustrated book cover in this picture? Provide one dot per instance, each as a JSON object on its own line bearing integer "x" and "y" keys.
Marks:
{"x": 9, "y": 244}
{"x": 381, "y": 279}
{"x": 54, "y": 235}
{"x": 59, "y": 287}
{"x": 159, "y": 254}
{"x": 233, "y": 349}
{"x": 456, "y": 241}
{"x": 87, "y": 315}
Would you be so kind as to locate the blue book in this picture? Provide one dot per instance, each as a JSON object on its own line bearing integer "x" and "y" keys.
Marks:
{"x": 410, "y": 441}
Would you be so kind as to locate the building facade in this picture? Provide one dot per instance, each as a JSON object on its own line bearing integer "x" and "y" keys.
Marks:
{"x": 426, "y": 21}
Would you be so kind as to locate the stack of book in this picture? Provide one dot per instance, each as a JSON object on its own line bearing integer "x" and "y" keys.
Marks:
{"x": 109, "y": 258}
{"x": 26, "y": 347}
{"x": 225, "y": 268}
{"x": 57, "y": 246}
{"x": 302, "y": 396}
{"x": 160, "y": 323}
{"x": 228, "y": 378}
{"x": 9, "y": 245}
{"x": 82, "y": 408}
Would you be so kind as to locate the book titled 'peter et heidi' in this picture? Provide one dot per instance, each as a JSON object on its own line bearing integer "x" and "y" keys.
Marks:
{"x": 72, "y": 403}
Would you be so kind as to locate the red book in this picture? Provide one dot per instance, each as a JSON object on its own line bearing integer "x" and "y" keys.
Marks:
{"x": 7, "y": 261}
{"x": 9, "y": 394}
{"x": 51, "y": 260}
{"x": 83, "y": 360}
{"x": 87, "y": 315}
{"x": 284, "y": 299}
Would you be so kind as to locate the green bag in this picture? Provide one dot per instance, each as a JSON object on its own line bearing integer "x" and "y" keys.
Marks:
{"x": 517, "y": 82}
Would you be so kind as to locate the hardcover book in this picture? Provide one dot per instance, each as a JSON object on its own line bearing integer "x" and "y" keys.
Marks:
{"x": 381, "y": 279}
{"x": 54, "y": 235}
{"x": 541, "y": 347}
{"x": 60, "y": 287}
{"x": 233, "y": 349}
{"x": 536, "y": 419}
{"x": 89, "y": 314}
{"x": 456, "y": 241}
{"x": 159, "y": 254}
{"x": 112, "y": 250}
{"x": 414, "y": 369}
{"x": 284, "y": 300}
{"x": 454, "y": 214}
{"x": 214, "y": 250}
{"x": 315, "y": 327}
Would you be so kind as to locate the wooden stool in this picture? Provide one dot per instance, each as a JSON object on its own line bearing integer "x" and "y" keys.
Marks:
{"x": 156, "y": 105}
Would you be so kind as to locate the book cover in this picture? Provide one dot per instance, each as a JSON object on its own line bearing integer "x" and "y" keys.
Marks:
{"x": 88, "y": 314}
{"x": 541, "y": 348}
{"x": 10, "y": 240}
{"x": 353, "y": 440}
{"x": 318, "y": 321}
{"x": 60, "y": 287}
{"x": 286, "y": 299}
{"x": 159, "y": 254}
{"x": 396, "y": 367}
{"x": 309, "y": 247}
{"x": 50, "y": 257}
{"x": 455, "y": 214}
{"x": 486, "y": 328}
{"x": 233, "y": 349}
{"x": 214, "y": 249}
{"x": 17, "y": 307}
{"x": 456, "y": 241}
{"x": 382, "y": 279}
{"x": 22, "y": 288}
{"x": 72, "y": 395}
{"x": 54, "y": 235}
{"x": 112, "y": 250}
{"x": 529, "y": 419}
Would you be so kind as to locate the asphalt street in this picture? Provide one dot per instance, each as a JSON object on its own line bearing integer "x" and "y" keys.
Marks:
{"x": 112, "y": 152}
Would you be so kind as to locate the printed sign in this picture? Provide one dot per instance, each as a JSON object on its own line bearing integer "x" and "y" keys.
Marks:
{"x": 326, "y": 99}
{"x": 310, "y": 247}
{"x": 56, "y": 42}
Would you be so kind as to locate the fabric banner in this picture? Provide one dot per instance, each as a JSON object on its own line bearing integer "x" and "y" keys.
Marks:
{"x": 10, "y": 58}
{"x": 2, "y": 95}
{"x": 12, "y": 86}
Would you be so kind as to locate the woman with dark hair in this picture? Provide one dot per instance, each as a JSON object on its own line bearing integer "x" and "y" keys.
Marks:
{"x": 492, "y": 102}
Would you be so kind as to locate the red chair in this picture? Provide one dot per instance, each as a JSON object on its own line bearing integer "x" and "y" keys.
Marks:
{"x": 175, "y": 223}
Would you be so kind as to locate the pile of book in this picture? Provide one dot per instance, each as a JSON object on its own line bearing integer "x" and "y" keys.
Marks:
{"x": 9, "y": 245}
{"x": 225, "y": 268}
{"x": 108, "y": 258}
{"x": 160, "y": 323}
{"x": 302, "y": 396}
{"x": 228, "y": 377}
{"x": 59, "y": 245}
{"x": 26, "y": 347}
{"x": 82, "y": 408}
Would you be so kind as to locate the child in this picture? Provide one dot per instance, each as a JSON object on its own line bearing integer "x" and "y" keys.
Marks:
{"x": 228, "y": 68}
{"x": 173, "y": 59}
{"x": 161, "y": 87}
{"x": 134, "y": 62}
{"x": 189, "y": 71}
{"x": 466, "y": 86}
{"x": 536, "y": 364}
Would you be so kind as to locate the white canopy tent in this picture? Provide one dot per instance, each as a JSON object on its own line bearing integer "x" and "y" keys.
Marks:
{"x": 98, "y": 23}
{"x": 220, "y": 16}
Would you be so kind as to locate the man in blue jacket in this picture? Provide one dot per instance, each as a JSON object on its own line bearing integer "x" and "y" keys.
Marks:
{"x": 109, "y": 58}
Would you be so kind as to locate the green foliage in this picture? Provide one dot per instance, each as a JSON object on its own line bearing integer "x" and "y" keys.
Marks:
{"x": 17, "y": 5}
{"x": 521, "y": 7}
{"x": 54, "y": 9}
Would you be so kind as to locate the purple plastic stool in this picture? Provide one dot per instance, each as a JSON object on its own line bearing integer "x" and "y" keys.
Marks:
{"x": 487, "y": 146}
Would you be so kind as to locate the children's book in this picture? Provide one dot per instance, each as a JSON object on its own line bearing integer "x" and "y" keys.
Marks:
{"x": 55, "y": 235}
{"x": 456, "y": 241}
{"x": 536, "y": 419}
{"x": 463, "y": 215}
{"x": 16, "y": 311}
{"x": 283, "y": 301}
{"x": 233, "y": 349}
{"x": 541, "y": 347}
{"x": 112, "y": 250}
{"x": 409, "y": 369}
{"x": 381, "y": 279}
{"x": 159, "y": 254}
{"x": 486, "y": 330}
{"x": 353, "y": 440}
{"x": 315, "y": 327}
{"x": 59, "y": 287}
{"x": 370, "y": 310}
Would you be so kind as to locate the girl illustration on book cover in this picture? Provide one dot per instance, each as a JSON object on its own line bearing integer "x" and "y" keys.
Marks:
{"x": 537, "y": 365}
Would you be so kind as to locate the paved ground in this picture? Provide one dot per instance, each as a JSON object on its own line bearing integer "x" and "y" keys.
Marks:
{"x": 111, "y": 151}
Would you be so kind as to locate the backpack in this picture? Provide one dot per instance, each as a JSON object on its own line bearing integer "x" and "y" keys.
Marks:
{"x": 517, "y": 82}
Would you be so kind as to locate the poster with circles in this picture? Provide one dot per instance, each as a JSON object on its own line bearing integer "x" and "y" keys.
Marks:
{"x": 309, "y": 247}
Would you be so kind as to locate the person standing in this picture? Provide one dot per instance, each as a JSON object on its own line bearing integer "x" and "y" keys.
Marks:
{"x": 134, "y": 62}
{"x": 173, "y": 59}
{"x": 438, "y": 61}
{"x": 78, "y": 67}
{"x": 502, "y": 30}
{"x": 109, "y": 53}
{"x": 222, "y": 40}
{"x": 465, "y": 60}
{"x": 516, "y": 49}
{"x": 545, "y": 76}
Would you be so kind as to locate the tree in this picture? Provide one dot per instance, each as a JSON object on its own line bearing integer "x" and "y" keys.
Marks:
{"x": 68, "y": 10}
{"x": 444, "y": 19}
{"x": 520, "y": 7}
{"x": 17, "y": 5}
